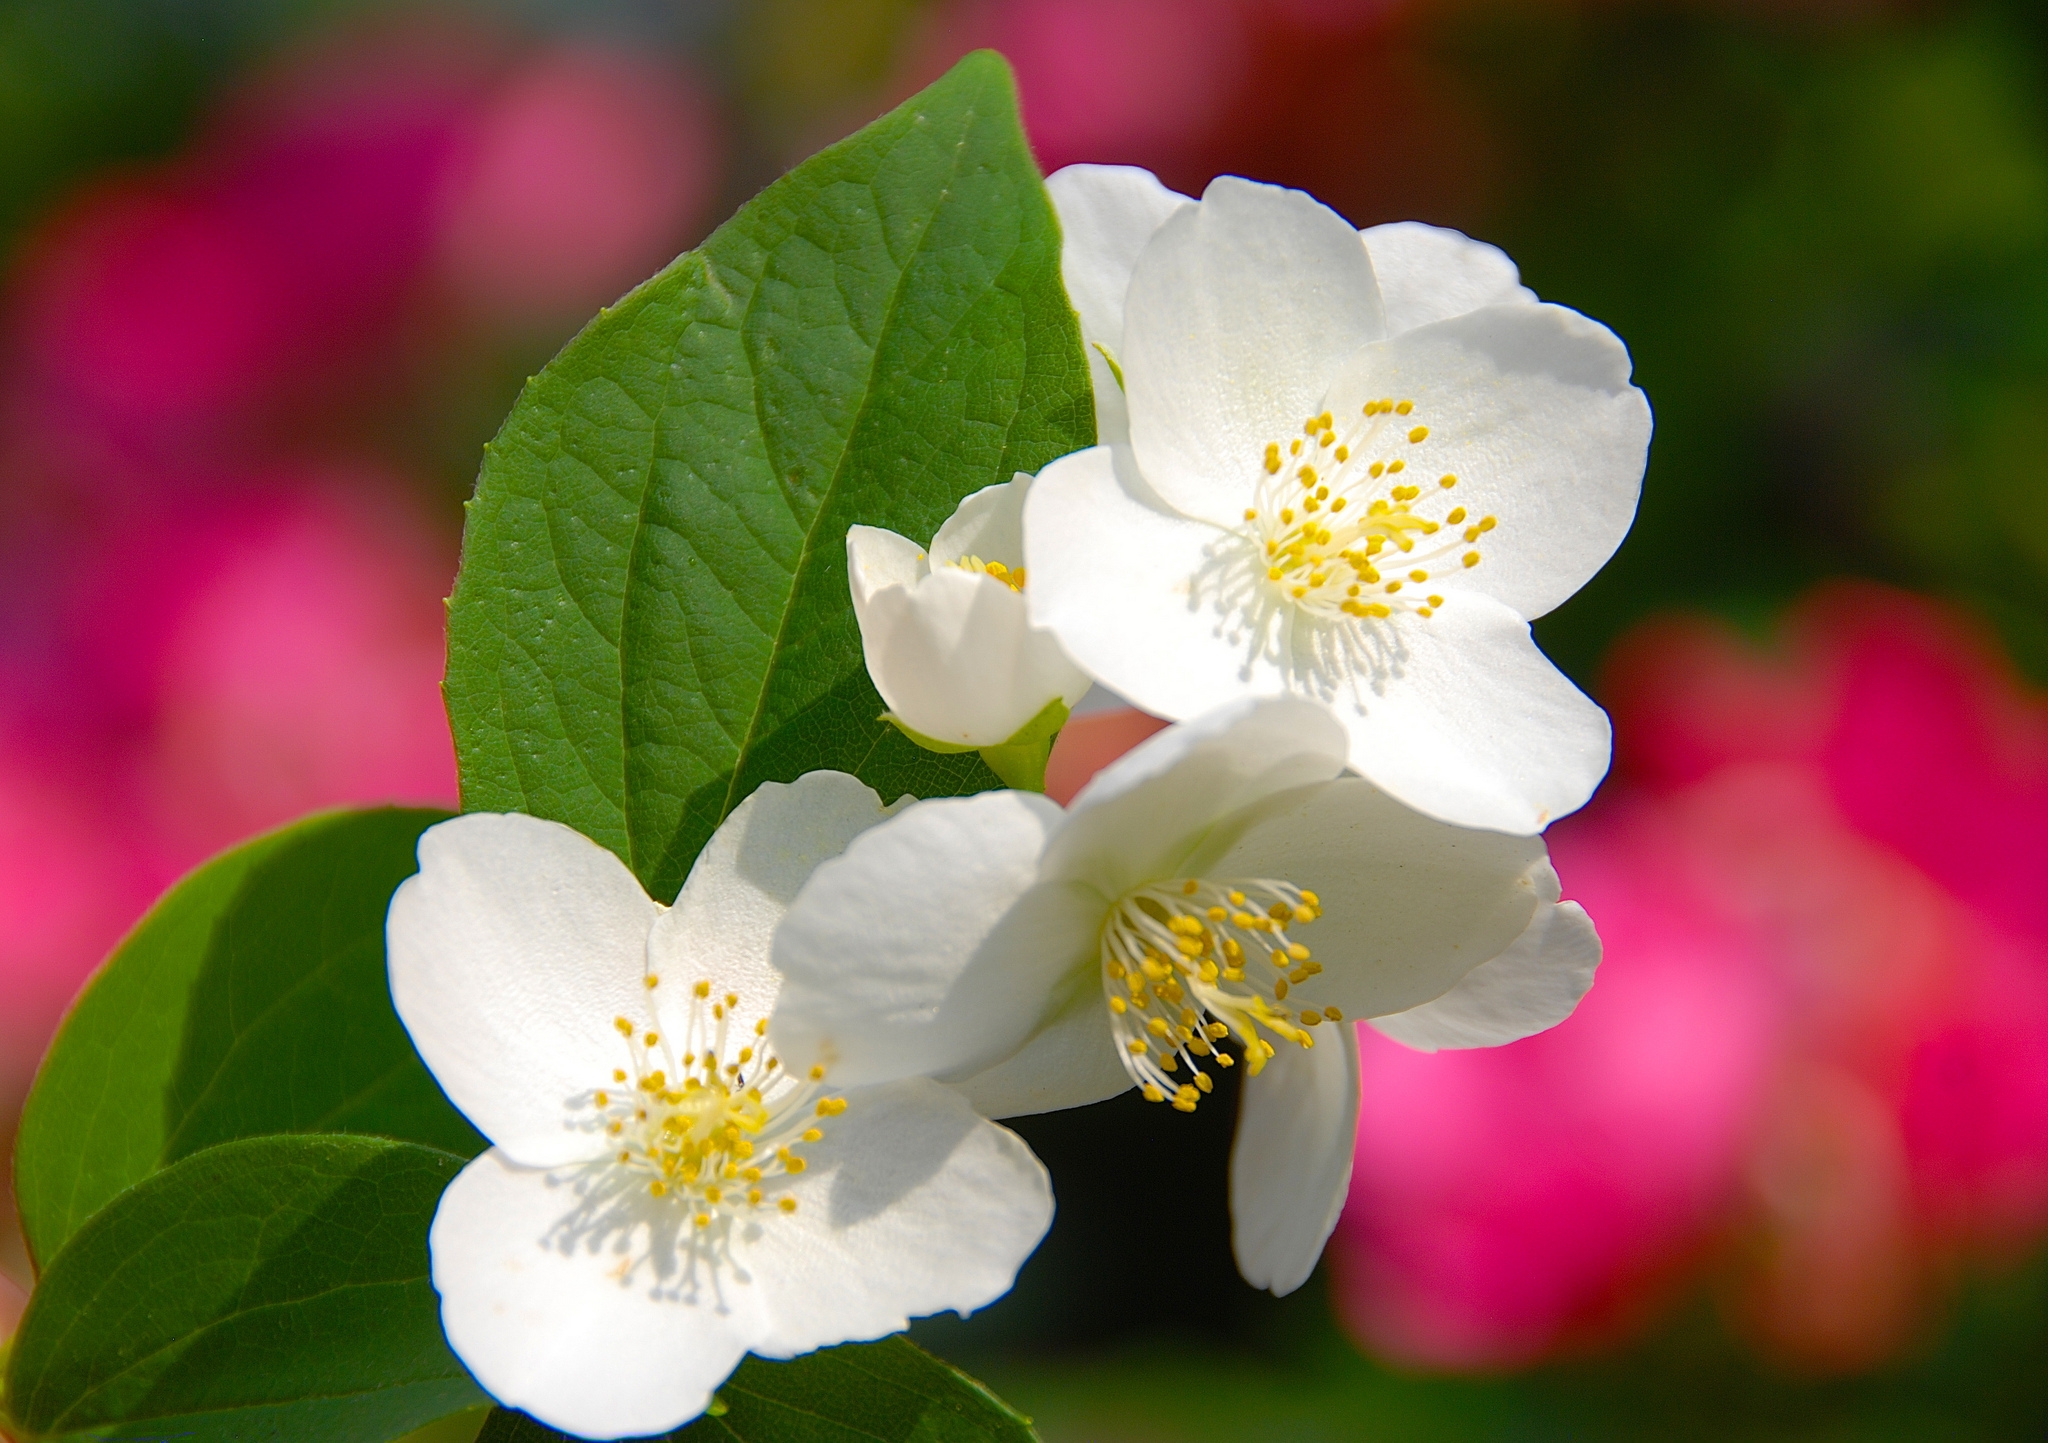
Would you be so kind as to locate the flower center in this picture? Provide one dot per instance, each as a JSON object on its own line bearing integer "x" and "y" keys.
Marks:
{"x": 1187, "y": 964}
{"x": 1340, "y": 528}
{"x": 714, "y": 1126}
{"x": 1010, "y": 576}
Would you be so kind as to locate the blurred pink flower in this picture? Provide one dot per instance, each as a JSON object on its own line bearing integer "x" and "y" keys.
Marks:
{"x": 239, "y": 668}
{"x": 1818, "y": 1047}
{"x": 584, "y": 171}
{"x": 60, "y": 906}
{"x": 1107, "y": 81}
{"x": 303, "y": 672}
{"x": 1509, "y": 1197}
{"x": 160, "y": 306}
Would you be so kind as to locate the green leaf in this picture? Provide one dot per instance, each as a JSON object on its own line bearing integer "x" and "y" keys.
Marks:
{"x": 653, "y": 615}
{"x": 268, "y": 1289}
{"x": 887, "y": 1392}
{"x": 250, "y": 1000}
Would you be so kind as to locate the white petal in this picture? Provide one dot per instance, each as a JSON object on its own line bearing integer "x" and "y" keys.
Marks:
{"x": 878, "y": 559}
{"x": 1071, "y": 1061}
{"x": 1470, "y": 723}
{"x": 1431, "y": 273}
{"x": 511, "y": 952}
{"x": 912, "y": 1205}
{"x": 957, "y": 659}
{"x": 1297, "y": 1125}
{"x": 1149, "y": 815}
{"x": 1113, "y": 576}
{"x": 722, "y": 925}
{"x": 1240, "y": 313}
{"x": 1530, "y": 407}
{"x": 988, "y": 524}
{"x": 1409, "y": 905}
{"x": 927, "y": 949}
{"x": 1107, "y": 214}
{"x": 547, "y": 1316}
{"x": 1532, "y": 986}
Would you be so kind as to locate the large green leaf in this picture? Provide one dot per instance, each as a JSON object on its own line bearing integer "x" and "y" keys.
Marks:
{"x": 886, "y": 1392}
{"x": 653, "y": 616}
{"x": 250, "y": 1000}
{"x": 269, "y": 1289}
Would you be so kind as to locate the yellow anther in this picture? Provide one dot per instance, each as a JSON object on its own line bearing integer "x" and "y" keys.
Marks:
{"x": 618, "y": 1074}
{"x": 818, "y": 1072}
{"x": 1420, "y": 433}
{"x": 1251, "y": 513}
{"x": 761, "y": 1028}
{"x": 1294, "y": 449}
{"x": 625, "y": 1027}
{"x": 812, "y": 1134}
{"x": 1152, "y": 1092}
{"x": 1404, "y": 408}
{"x": 1457, "y": 515}
{"x": 1118, "y": 1006}
{"x": 754, "y": 1196}
{"x": 1394, "y": 466}
{"x": 653, "y": 1038}
{"x": 1158, "y": 1027}
{"x": 787, "y": 1204}
{"x": 831, "y": 1106}
{"x": 1311, "y": 1018}
{"x": 1272, "y": 461}
{"x": 1137, "y": 1047}
{"x": 1436, "y": 601}
{"x": 1392, "y": 587}
{"x": 653, "y": 981}
{"x": 1224, "y": 1059}
{"x": 1280, "y": 989}
{"x": 1447, "y": 482}
{"x": 1328, "y": 438}
{"x": 658, "y": 1188}
{"x": 1343, "y": 453}
{"x": 1377, "y": 469}
{"x": 1333, "y": 1014}
{"x": 1471, "y": 559}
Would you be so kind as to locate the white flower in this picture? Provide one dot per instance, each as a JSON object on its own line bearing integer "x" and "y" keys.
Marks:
{"x": 1352, "y": 471}
{"x": 661, "y": 1195}
{"x": 947, "y": 636}
{"x": 1041, "y": 958}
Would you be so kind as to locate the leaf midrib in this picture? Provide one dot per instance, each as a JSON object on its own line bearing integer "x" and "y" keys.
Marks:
{"x": 789, "y": 605}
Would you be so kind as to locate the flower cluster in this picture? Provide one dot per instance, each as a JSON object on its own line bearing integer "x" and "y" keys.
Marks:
{"x": 1338, "y": 474}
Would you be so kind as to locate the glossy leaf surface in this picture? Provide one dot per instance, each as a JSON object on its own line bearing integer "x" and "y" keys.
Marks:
{"x": 273, "y": 1288}
{"x": 653, "y": 615}
{"x": 250, "y": 1000}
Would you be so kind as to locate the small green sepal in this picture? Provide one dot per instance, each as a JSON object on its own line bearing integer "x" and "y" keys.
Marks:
{"x": 1020, "y": 761}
